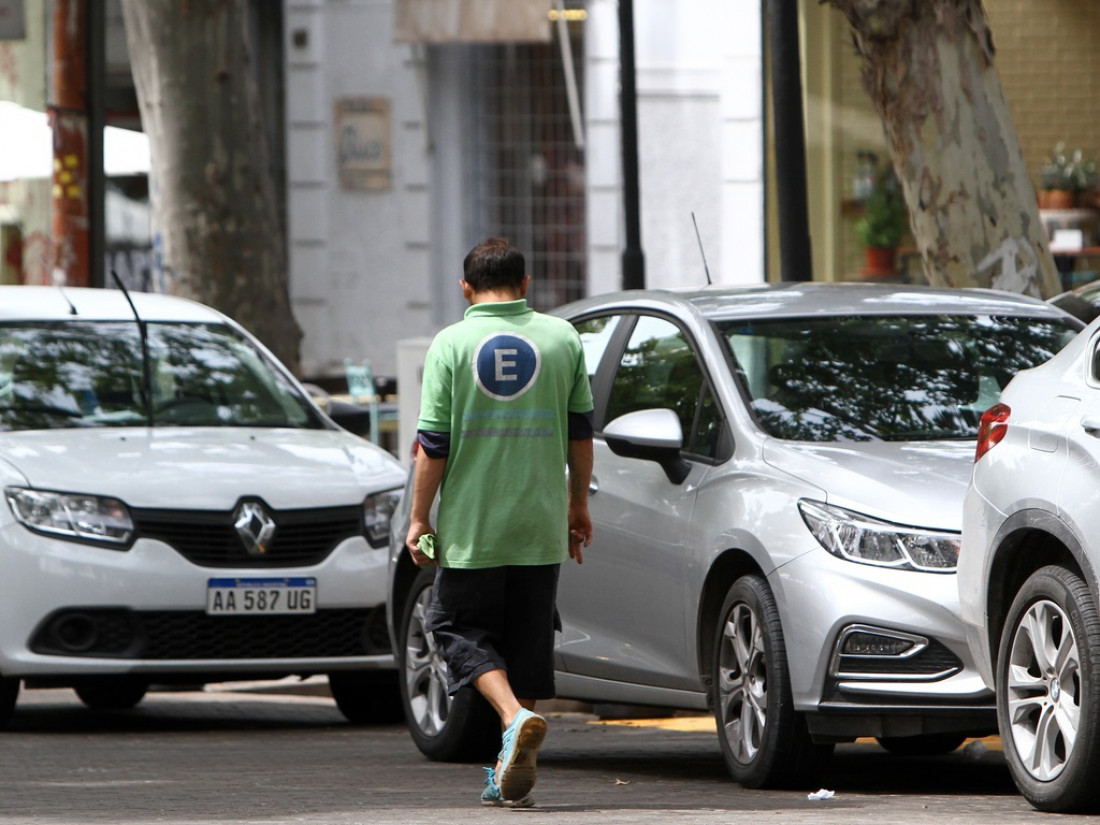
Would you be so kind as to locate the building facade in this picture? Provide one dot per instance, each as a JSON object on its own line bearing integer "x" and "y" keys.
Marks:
{"x": 407, "y": 130}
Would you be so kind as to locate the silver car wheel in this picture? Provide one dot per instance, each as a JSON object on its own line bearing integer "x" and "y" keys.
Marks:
{"x": 1044, "y": 690}
{"x": 743, "y": 687}
{"x": 426, "y": 673}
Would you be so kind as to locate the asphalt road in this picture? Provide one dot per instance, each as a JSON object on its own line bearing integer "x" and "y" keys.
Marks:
{"x": 236, "y": 757}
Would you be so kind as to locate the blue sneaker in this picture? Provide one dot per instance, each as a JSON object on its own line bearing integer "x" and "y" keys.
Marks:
{"x": 491, "y": 798}
{"x": 517, "y": 757}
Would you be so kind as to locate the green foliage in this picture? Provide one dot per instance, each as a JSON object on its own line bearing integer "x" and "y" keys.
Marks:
{"x": 885, "y": 218}
{"x": 1070, "y": 171}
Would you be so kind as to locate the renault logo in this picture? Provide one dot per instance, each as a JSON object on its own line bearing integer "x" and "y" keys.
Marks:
{"x": 255, "y": 527}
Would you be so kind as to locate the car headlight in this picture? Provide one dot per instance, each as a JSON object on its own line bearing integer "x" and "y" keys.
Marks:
{"x": 377, "y": 512}
{"x": 859, "y": 538}
{"x": 72, "y": 516}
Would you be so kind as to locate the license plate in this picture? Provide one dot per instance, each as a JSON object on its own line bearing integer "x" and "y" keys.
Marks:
{"x": 274, "y": 596}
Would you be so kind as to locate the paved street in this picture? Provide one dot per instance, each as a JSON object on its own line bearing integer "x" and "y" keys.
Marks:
{"x": 232, "y": 757}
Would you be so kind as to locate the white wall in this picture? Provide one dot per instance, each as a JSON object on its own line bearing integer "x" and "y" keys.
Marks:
{"x": 368, "y": 269}
{"x": 359, "y": 260}
{"x": 700, "y": 141}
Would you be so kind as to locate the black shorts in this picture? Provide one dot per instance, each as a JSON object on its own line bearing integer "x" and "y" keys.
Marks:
{"x": 497, "y": 618}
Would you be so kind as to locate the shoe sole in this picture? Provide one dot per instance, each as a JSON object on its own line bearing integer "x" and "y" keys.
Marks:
{"x": 526, "y": 802}
{"x": 518, "y": 777}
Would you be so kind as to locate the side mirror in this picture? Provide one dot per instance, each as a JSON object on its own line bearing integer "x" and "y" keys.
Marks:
{"x": 652, "y": 435}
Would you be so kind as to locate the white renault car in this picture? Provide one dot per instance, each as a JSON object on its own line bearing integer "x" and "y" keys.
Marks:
{"x": 776, "y": 502}
{"x": 1028, "y": 574}
{"x": 177, "y": 510}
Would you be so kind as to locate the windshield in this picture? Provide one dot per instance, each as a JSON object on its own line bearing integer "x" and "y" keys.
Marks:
{"x": 89, "y": 374}
{"x": 858, "y": 378}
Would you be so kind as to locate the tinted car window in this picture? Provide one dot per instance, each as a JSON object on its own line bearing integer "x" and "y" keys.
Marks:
{"x": 77, "y": 374}
{"x": 658, "y": 369}
{"x": 596, "y": 334}
{"x": 891, "y": 378}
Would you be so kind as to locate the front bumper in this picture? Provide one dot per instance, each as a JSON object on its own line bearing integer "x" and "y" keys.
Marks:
{"x": 69, "y": 609}
{"x": 875, "y": 651}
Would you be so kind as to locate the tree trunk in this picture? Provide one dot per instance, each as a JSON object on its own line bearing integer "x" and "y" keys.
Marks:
{"x": 928, "y": 67}
{"x": 217, "y": 231}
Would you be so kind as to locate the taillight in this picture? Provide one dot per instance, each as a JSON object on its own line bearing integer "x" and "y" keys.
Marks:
{"x": 993, "y": 427}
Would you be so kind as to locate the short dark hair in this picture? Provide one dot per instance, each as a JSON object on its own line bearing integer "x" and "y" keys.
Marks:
{"x": 492, "y": 264}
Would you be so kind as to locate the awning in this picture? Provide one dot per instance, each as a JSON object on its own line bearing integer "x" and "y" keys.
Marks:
{"x": 26, "y": 146}
{"x": 472, "y": 21}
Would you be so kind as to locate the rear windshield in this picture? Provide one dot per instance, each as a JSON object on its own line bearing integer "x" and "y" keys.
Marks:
{"x": 85, "y": 374}
{"x": 860, "y": 378}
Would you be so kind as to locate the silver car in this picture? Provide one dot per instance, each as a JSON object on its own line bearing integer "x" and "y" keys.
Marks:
{"x": 776, "y": 500}
{"x": 1028, "y": 574}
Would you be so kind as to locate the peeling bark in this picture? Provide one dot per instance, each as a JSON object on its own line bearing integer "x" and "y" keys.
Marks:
{"x": 928, "y": 68}
{"x": 218, "y": 236}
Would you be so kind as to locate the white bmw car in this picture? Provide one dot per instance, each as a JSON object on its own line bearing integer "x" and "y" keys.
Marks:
{"x": 177, "y": 510}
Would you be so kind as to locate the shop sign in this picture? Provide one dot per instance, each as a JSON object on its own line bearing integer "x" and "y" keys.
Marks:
{"x": 363, "y": 150}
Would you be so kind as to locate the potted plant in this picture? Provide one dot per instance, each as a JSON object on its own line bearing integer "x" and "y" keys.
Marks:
{"x": 1065, "y": 178}
{"x": 884, "y": 222}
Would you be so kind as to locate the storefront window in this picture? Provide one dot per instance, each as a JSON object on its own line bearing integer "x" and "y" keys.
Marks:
{"x": 25, "y": 162}
{"x": 1052, "y": 100}
{"x": 46, "y": 230}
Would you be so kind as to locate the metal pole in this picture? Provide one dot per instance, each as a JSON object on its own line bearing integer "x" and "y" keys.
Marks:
{"x": 788, "y": 131}
{"x": 633, "y": 259}
{"x": 96, "y": 107}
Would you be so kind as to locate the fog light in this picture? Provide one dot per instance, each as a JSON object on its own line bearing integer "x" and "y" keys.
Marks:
{"x": 870, "y": 644}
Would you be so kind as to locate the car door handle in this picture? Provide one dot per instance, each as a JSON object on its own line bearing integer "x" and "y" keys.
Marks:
{"x": 1091, "y": 426}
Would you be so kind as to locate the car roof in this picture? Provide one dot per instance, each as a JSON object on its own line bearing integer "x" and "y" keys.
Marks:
{"x": 804, "y": 299}
{"x": 51, "y": 303}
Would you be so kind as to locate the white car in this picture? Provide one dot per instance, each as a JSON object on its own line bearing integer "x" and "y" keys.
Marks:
{"x": 177, "y": 510}
{"x": 776, "y": 503}
{"x": 1028, "y": 574}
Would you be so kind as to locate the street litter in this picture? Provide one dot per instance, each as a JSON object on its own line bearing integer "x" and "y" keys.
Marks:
{"x": 821, "y": 794}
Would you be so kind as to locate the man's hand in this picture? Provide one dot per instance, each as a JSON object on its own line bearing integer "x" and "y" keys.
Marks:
{"x": 580, "y": 531}
{"x": 416, "y": 530}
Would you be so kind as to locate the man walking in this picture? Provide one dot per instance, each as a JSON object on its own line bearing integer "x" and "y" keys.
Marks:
{"x": 506, "y": 407}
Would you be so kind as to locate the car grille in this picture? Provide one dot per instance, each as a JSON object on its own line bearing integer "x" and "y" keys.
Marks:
{"x": 161, "y": 635}
{"x": 208, "y": 538}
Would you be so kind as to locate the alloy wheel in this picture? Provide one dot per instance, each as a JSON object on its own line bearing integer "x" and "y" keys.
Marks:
{"x": 743, "y": 682}
{"x": 1044, "y": 690}
{"x": 426, "y": 673}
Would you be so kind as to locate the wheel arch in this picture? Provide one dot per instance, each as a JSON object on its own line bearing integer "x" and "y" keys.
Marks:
{"x": 401, "y": 581}
{"x": 727, "y": 567}
{"x": 1027, "y": 541}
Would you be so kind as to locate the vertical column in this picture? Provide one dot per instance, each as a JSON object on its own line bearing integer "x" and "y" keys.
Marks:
{"x": 69, "y": 121}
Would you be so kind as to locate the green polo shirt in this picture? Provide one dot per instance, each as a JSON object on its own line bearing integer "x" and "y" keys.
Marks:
{"x": 502, "y": 382}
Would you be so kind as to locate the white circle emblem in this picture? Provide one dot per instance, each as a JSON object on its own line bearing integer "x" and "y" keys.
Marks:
{"x": 506, "y": 365}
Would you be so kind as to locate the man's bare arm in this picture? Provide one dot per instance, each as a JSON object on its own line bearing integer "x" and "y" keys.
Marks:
{"x": 580, "y": 476}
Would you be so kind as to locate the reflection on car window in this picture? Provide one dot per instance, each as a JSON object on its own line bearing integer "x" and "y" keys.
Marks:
{"x": 892, "y": 378}
{"x": 595, "y": 335}
{"x": 83, "y": 374}
{"x": 658, "y": 369}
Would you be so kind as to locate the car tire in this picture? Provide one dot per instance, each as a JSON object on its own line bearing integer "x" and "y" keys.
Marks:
{"x": 112, "y": 692}
{"x": 9, "y": 692}
{"x": 765, "y": 743}
{"x": 1048, "y": 692}
{"x": 459, "y": 728}
{"x": 367, "y": 697}
{"x": 929, "y": 744}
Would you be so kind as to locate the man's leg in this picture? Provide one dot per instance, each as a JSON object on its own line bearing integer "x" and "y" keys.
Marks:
{"x": 524, "y": 731}
{"x": 494, "y": 686}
